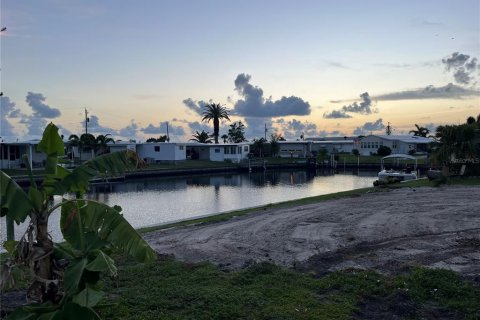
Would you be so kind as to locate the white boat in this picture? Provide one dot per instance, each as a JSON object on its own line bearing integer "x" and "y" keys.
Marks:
{"x": 402, "y": 175}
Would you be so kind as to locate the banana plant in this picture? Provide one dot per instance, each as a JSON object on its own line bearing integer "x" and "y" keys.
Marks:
{"x": 66, "y": 276}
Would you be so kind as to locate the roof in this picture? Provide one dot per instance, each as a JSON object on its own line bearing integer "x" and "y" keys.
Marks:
{"x": 404, "y": 138}
{"x": 398, "y": 155}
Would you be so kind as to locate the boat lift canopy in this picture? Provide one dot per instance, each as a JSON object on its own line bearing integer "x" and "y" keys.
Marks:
{"x": 400, "y": 156}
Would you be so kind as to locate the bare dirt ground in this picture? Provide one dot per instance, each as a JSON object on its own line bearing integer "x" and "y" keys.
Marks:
{"x": 383, "y": 231}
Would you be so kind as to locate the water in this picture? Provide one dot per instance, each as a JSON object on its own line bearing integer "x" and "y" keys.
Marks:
{"x": 153, "y": 201}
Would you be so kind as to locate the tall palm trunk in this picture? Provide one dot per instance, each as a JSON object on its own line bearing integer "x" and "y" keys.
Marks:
{"x": 216, "y": 129}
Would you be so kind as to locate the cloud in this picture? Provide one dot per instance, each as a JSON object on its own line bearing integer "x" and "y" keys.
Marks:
{"x": 94, "y": 126}
{"x": 8, "y": 109}
{"x": 161, "y": 128}
{"x": 463, "y": 67}
{"x": 196, "y": 106}
{"x": 364, "y": 107}
{"x": 130, "y": 131}
{"x": 336, "y": 64}
{"x": 336, "y": 114}
{"x": 369, "y": 127}
{"x": 200, "y": 126}
{"x": 39, "y": 108}
{"x": 254, "y": 104}
{"x": 449, "y": 91}
{"x": 41, "y": 114}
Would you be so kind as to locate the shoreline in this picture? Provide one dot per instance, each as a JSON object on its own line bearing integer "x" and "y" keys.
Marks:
{"x": 381, "y": 231}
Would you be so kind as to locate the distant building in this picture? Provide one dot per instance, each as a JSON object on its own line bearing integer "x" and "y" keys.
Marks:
{"x": 234, "y": 152}
{"x": 397, "y": 143}
{"x": 159, "y": 152}
{"x": 11, "y": 154}
{"x": 294, "y": 149}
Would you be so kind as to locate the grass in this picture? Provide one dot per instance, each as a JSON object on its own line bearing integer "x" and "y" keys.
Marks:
{"x": 169, "y": 289}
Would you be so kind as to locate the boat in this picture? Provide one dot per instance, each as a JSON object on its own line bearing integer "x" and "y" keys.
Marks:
{"x": 401, "y": 175}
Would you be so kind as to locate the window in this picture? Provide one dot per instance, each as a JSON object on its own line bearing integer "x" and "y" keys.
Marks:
{"x": 217, "y": 150}
{"x": 157, "y": 148}
{"x": 227, "y": 150}
{"x": 239, "y": 150}
{"x": 245, "y": 148}
{"x": 233, "y": 150}
{"x": 180, "y": 147}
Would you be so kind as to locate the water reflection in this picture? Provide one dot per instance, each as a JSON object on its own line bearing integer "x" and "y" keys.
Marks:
{"x": 151, "y": 201}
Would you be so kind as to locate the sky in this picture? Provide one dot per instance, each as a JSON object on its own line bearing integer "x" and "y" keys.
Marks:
{"x": 317, "y": 68}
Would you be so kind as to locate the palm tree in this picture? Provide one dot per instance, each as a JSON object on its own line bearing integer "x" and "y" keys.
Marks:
{"x": 420, "y": 132}
{"x": 201, "y": 137}
{"x": 225, "y": 138}
{"x": 215, "y": 112}
{"x": 87, "y": 141}
{"x": 74, "y": 141}
{"x": 101, "y": 143}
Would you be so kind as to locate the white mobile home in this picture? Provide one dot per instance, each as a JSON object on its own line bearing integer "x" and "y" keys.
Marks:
{"x": 295, "y": 149}
{"x": 234, "y": 152}
{"x": 161, "y": 152}
{"x": 11, "y": 154}
{"x": 402, "y": 144}
{"x": 334, "y": 146}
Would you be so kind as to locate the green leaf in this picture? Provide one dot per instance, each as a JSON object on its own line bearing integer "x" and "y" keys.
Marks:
{"x": 37, "y": 198}
{"x": 51, "y": 315}
{"x": 103, "y": 263}
{"x": 71, "y": 224}
{"x": 21, "y": 314}
{"x": 74, "y": 311}
{"x": 51, "y": 143}
{"x": 88, "y": 297}
{"x": 10, "y": 246}
{"x": 13, "y": 199}
{"x": 73, "y": 275}
{"x": 109, "y": 225}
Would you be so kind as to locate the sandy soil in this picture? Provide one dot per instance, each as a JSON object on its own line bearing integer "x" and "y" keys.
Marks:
{"x": 384, "y": 231}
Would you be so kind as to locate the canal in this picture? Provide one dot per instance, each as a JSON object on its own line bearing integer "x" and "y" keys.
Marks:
{"x": 153, "y": 201}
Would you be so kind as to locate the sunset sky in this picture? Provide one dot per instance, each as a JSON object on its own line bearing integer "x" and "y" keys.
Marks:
{"x": 322, "y": 68}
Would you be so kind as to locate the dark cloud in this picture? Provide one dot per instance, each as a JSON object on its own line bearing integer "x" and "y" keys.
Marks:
{"x": 256, "y": 127}
{"x": 449, "y": 91}
{"x": 8, "y": 109}
{"x": 161, "y": 128}
{"x": 336, "y": 114}
{"x": 254, "y": 104}
{"x": 369, "y": 127}
{"x": 200, "y": 126}
{"x": 364, "y": 107}
{"x": 39, "y": 108}
{"x": 195, "y": 106}
{"x": 463, "y": 67}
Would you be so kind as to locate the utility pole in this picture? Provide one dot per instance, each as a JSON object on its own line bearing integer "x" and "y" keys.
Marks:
{"x": 168, "y": 136}
{"x": 86, "y": 121}
{"x": 266, "y": 132}
{"x": 388, "y": 130}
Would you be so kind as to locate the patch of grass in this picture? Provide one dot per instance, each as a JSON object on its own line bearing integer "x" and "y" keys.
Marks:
{"x": 168, "y": 289}
{"x": 443, "y": 287}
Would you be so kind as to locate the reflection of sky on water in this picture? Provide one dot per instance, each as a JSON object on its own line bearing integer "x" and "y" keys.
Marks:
{"x": 153, "y": 201}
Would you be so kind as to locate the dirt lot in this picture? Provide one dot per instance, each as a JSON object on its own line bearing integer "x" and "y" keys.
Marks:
{"x": 384, "y": 231}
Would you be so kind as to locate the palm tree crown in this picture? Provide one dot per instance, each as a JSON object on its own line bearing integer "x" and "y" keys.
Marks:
{"x": 201, "y": 137}
{"x": 215, "y": 112}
